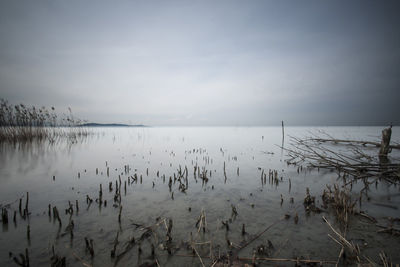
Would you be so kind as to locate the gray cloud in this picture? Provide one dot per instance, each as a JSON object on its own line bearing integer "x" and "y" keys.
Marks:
{"x": 205, "y": 62}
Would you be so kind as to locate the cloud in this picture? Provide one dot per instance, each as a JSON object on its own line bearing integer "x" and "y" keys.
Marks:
{"x": 204, "y": 63}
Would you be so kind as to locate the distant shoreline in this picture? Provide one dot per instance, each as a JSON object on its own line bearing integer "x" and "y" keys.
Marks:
{"x": 92, "y": 124}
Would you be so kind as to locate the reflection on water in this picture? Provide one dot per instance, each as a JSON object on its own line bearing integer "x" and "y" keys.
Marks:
{"x": 57, "y": 174}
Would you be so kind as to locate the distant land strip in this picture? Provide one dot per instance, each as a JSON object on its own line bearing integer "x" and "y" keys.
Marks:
{"x": 92, "y": 124}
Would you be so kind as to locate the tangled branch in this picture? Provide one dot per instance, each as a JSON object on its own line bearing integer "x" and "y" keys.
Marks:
{"x": 351, "y": 161}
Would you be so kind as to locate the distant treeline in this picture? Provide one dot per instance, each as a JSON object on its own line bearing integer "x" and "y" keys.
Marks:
{"x": 93, "y": 124}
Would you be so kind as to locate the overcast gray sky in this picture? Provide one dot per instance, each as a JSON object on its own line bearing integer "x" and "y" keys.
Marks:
{"x": 205, "y": 62}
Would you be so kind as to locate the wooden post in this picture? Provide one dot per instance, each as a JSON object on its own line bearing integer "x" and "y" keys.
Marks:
{"x": 283, "y": 131}
{"x": 386, "y": 134}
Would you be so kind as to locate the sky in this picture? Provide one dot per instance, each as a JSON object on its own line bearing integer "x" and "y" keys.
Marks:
{"x": 205, "y": 63}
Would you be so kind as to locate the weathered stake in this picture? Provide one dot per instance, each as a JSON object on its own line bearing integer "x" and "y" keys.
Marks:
{"x": 385, "y": 143}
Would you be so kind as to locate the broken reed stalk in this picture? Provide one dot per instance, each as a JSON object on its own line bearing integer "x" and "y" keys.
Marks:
{"x": 149, "y": 230}
{"x": 343, "y": 241}
{"x": 56, "y": 215}
{"x": 84, "y": 263}
{"x": 28, "y": 232}
{"x": 27, "y": 202}
{"x": 321, "y": 262}
{"x": 24, "y": 258}
{"x": 340, "y": 200}
{"x": 119, "y": 215}
{"x": 260, "y": 234}
{"x": 4, "y": 215}
{"x": 89, "y": 246}
{"x": 115, "y": 246}
{"x": 198, "y": 255}
{"x": 27, "y": 257}
{"x": 201, "y": 222}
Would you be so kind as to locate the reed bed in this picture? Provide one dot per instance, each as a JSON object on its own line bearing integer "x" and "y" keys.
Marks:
{"x": 21, "y": 123}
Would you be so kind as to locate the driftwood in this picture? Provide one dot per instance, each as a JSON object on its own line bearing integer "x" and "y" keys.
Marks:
{"x": 240, "y": 259}
{"x": 321, "y": 262}
{"x": 344, "y": 243}
{"x": 351, "y": 161}
{"x": 386, "y": 134}
{"x": 349, "y": 141}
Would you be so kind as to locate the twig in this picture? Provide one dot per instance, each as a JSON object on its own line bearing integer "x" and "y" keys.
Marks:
{"x": 345, "y": 242}
{"x": 290, "y": 260}
{"x": 262, "y": 232}
{"x": 195, "y": 250}
{"x": 84, "y": 263}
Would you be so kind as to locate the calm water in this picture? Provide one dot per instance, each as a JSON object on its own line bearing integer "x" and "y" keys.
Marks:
{"x": 31, "y": 167}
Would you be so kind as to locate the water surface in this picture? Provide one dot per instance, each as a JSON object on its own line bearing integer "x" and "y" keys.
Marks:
{"x": 79, "y": 168}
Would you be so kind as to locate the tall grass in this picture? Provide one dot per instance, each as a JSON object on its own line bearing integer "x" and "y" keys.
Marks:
{"x": 20, "y": 123}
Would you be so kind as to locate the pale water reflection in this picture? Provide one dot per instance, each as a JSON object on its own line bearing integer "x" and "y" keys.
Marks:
{"x": 58, "y": 173}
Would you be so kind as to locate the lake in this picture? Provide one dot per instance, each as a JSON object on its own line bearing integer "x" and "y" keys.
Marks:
{"x": 143, "y": 161}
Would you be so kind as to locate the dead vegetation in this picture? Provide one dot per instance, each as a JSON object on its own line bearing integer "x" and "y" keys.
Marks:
{"x": 20, "y": 123}
{"x": 340, "y": 201}
{"x": 353, "y": 160}
{"x": 159, "y": 235}
{"x": 347, "y": 157}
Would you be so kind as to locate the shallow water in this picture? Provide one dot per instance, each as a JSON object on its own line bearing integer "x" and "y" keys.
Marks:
{"x": 31, "y": 167}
